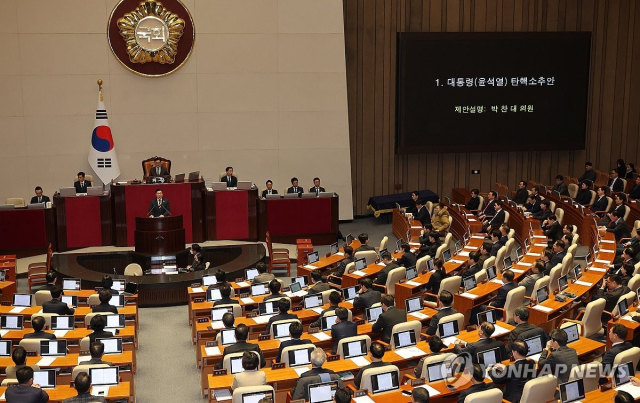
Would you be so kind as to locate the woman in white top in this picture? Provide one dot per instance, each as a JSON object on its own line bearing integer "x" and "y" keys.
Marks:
{"x": 250, "y": 376}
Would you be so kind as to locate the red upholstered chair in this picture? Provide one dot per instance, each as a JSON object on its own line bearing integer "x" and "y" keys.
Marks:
{"x": 278, "y": 257}
{"x": 36, "y": 272}
{"x": 148, "y": 164}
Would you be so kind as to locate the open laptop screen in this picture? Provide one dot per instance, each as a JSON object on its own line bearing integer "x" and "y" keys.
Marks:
{"x": 322, "y": 392}
{"x": 542, "y": 294}
{"x": 46, "y": 378}
{"x": 446, "y": 255}
{"x": 213, "y": 294}
{"x": 349, "y": 239}
{"x": 333, "y": 248}
{"x": 21, "y": 299}
{"x": 507, "y": 263}
{"x": 301, "y": 356}
{"x": 5, "y": 348}
{"x": 572, "y": 391}
{"x": 250, "y": 273}
{"x": 312, "y": 301}
{"x": 255, "y": 397}
{"x": 281, "y": 330}
{"x": 413, "y": 304}
{"x": 373, "y": 313}
{"x": 53, "y": 347}
{"x": 259, "y": 289}
{"x": 350, "y": 292}
{"x": 487, "y": 316}
{"x": 354, "y": 349}
{"x": 71, "y": 284}
{"x": 117, "y": 301}
{"x": 268, "y": 308}
{"x": 470, "y": 282}
{"x": 535, "y": 345}
{"x": 63, "y": 322}
{"x": 412, "y": 273}
{"x": 228, "y": 336}
{"x": 236, "y": 365}
{"x": 623, "y": 373}
{"x": 448, "y": 329}
{"x": 404, "y": 339}
{"x": 360, "y": 263}
{"x": 563, "y": 283}
{"x": 384, "y": 382}
{"x": 208, "y": 280}
{"x": 104, "y": 376}
{"x": 218, "y": 313}
{"x": 623, "y": 308}
{"x": 491, "y": 273}
{"x": 302, "y": 280}
{"x": 11, "y": 322}
{"x": 328, "y": 321}
{"x": 114, "y": 321}
{"x": 313, "y": 257}
{"x": 119, "y": 285}
{"x": 572, "y": 332}
{"x": 489, "y": 357}
{"x": 112, "y": 345}
{"x": 71, "y": 300}
{"x": 295, "y": 287}
{"x": 437, "y": 371}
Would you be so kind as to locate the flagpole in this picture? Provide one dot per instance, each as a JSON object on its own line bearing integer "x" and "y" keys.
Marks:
{"x": 100, "y": 89}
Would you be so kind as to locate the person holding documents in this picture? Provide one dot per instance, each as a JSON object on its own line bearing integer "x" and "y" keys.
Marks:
{"x": 159, "y": 207}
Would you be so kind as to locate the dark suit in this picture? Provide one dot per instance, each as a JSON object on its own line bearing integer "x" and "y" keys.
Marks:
{"x": 495, "y": 248}
{"x": 317, "y": 190}
{"x": 57, "y": 306}
{"x": 442, "y": 312}
{"x": 363, "y": 248}
{"x": 231, "y": 181}
{"x": 82, "y": 187}
{"x": 266, "y": 192}
{"x": 515, "y": 379}
{"x": 105, "y": 308}
{"x": 159, "y": 171}
{"x": 616, "y": 185}
{"x": 589, "y": 175}
{"x": 635, "y": 192}
{"x": 554, "y": 232}
{"x": 557, "y": 258}
{"x": 299, "y": 190}
{"x": 43, "y": 199}
{"x": 392, "y": 316}
{"x": 366, "y": 299}
{"x": 384, "y": 273}
{"x": 473, "y": 203}
{"x": 318, "y": 287}
{"x": 611, "y": 297}
{"x": 226, "y": 301}
{"x": 473, "y": 349}
{"x": 329, "y": 311}
{"x": 408, "y": 259}
{"x": 358, "y": 379}
{"x": 620, "y": 229}
{"x": 542, "y": 214}
{"x": 25, "y": 394}
{"x": 497, "y": 220}
{"x": 290, "y": 343}
{"x": 40, "y": 335}
{"x": 157, "y": 210}
{"x": 240, "y": 347}
{"x": 561, "y": 188}
{"x": 471, "y": 271}
{"x": 342, "y": 266}
{"x": 610, "y": 355}
{"x": 583, "y": 197}
{"x": 501, "y": 298}
{"x": 85, "y": 398}
{"x": 99, "y": 335}
{"x": 340, "y": 331}
{"x": 281, "y": 316}
{"x": 521, "y": 196}
{"x": 316, "y": 372}
{"x": 534, "y": 207}
{"x": 558, "y": 363}
{"x": 429, "y": 249}
{"x": 490, "y": 208}
{"x": 423, "y": 216}
{"x": 600, "y": 204}
{"x": 273, "y": 296}
{"x": 433, "y": 286}
{"x": 517, "y": 332}
{"x": 481, "y": 387}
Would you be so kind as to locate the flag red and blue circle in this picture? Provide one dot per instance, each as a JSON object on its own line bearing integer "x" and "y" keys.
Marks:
{"x": 101, "y": 139}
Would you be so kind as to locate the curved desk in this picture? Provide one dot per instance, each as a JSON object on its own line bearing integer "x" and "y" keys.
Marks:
{"x": 158, "y": 289}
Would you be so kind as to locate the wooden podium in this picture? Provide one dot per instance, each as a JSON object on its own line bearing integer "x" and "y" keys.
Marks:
{"x": 159, "y": 236}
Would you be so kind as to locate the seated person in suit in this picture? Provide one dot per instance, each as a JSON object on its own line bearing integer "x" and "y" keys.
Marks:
{"x": 559, "y": 253}
{"x": 521, "y": 319}
{"x": 435, "y": 346}
{"x": 263, "y": 276}
{"x": 38, "y": 324}
{"x": 485, "y": 252}
{"x": 389, "y": 317}
{"x": 107, "y": 283}
{"x": 472, "y": 265}
{"x": 615, "y": 183}
{"x": 424, "y": 234}
{"x": 348, "y": 258}
{"x": 619, "y": 200}
{"x": 316, "y": 187}
{"x": 195, "y": 249}
{"x": 495, "y": 241}
{"x": 294, "y": 187}
{"x": 343, "y": 328}
{"x": 56, "y": 305}
{"x": 225, "y": 292}
{"x": 97, "y": 324}
{"x": 335, "y": 298}
{"x": 611, "y": 291}
{"x": 601, "y": 202}
{"x": 530, "y": 280}
{"x": 422, "y": 214}
{"x": 444, "y": 309}
{"x": 477, "y": 382}
{"x": 490, "y": 206}
{"x": 367, "y": 296}
{"x": 589, "y": 173}
{"x": 364, "y": 243}
{"x": 544, "y": 212}
{"x": 439, "y": 273}
{"x": 431, "y": 248}
{"x": 486, "y": 342}
{"x": 501, "y": 297}
{"x": 633, "y": 243}
{"x": 159, "y": 207}
{"x": 384, "y": 272}
{"x": 241, "y": 345}
{"x": 635, "y": 191}
{"x": 198, "y": 263}
{"x": 96, "y": 349}
{"x": 497, "y": 220}
{"x": 51, "y": 278}
{"x": 343, "y": 395}
{"x": 567, "y": 239}
{"x": 533, "y": 204}
{"x": 318, "y": 358}
{"x": 560, "y": 186}
{"x": 618, "y": 226}
{"x": 504, "y": 233}
{"x": 376, "y": 352}
{"x": 283, "y": 307}
{"x": 39, "y": 197}
{"x": 521, "y": 194}
{"x": 617, "y": 335}
{"x": 81, "y": 185}
{"x": 515, "y": 377}
{"x": 19, "y": 358}
{"x": 295, "y": 329}
{"x": 269, "y": 190}
{"x": 546, "y": 258}
{"x": 552, "y": 228}
{"x": 274, "y": 287}
{"x": 229, "y": 178}
{"x": 82, "y": 385}
{"x": 408, "y": 259}
{"x": 105, "y": 307}
{"x": 251, "y": 376}
{"x": 319, "y": 283}
{"x": 556, "y": 358}
{"x": 26, "y": 391}
{"x": 474, "y": 201}
{"x": 584, "y": 194}
{"x": 415, "y": 195}
{"x": 157, "y": 169}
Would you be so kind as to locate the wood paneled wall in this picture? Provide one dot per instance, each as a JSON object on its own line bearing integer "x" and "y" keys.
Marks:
{"x": 370, "y": 37}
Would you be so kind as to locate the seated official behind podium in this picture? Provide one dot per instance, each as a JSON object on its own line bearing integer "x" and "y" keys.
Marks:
{"x": 294, "y": 187}
{"x": 269, "y": 190}
{"x": 39, "y": 197}
{"x": 230, "y": 178}
{"x": 81, "y": 185}
{"x": 159, "y": 207}
{"x": 316, "y": 187}
{"x": 157, "y": 169}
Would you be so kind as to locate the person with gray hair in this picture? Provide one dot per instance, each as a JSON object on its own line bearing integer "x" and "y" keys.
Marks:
{"x": 318, "y": 357}
{"x": 316, "y": 374}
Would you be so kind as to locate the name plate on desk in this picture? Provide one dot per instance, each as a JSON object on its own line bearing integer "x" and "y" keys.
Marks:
{"x": 196, "y": 285}
{"x": 263, "y": 337}
{"x": 277, "y": 365}
{"x": 203, "y": 320}
{"x": 417, "y": 382}
{"x": 360, "y": 322}
{"x": 211, "y": 344}
{"x": 198, "y": 300}
{"x": 297, "y": 308}
{"x": 313, "y": 330}
{"x": 219, "y": 372}
{"x": 360, "y": 392}
{"x": 251, "y": 315}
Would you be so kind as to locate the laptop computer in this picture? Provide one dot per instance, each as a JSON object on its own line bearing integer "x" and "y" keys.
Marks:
{"x": 350, "y": 293}
{"x": 623, "y": 307}
{"x": 179, "y": 177}
{"x": 469, "y": 283}
{"x": 448, "y": 329}
{"x": 53, "y": 348}
{"x": 535, "y": 346}
{"x": 11, "y": 322}
{"x": 487, "y": 316}
{"x": 322, "y": 392}
{"x": 333, "y": 248}
{"x": 218, "y": 313}
{"x": 67, "y": 192}
{"x": 5, "y": 348}
{"x": 71, "y": 284}
{"x": 542, "y": 294}
{"x": 313, "y": 257}
{"x": 490, "y": 357}
{"x": 112, "y": 345}
{"x": 22, "y": 300}
{"x": 411, "y": 273}
{"x": 404, "y": 339}
{"x": 114, "y": 321}
{"x": 295, "y": 287}
{"x": 360, "y": 264}
{"x": 437, "y": 371}
{"x": 268, "y": 308}
{"x": 281, "y": 330}
{"x": 117, "y": 301}
{"x": 213, "y": 294}
{"x": 46, "y": 378}
{"x": 250, "y": 273}
{"x": 446, "y": 255}
{"x": 572, "y": 333}
{"x": 384, "y": 382}
{"x": 327, "y": 321}
{"x": 104, "y": 376}
{"x": 259, "y": 289}
{"x": 302, "y": 280}
{"x": 236, "y": 365}
{"x": 300, "y": 356}
{"x": 63, "y": 322}
{"x": 228, "y": 336}
{"x": 291, "y": 195}
{"x": 373, "y": 313}
{"x": 572, "y": 391}
{"x": 119, "y": 285}
{"x": 491, "y": 273}
{"x": 94, "y": 191}
{"x": 255, "y": 397}
{"x": 508, "y": 264}
{"x": 622, "y": 374}
{"x": 244, "y": 185}
{"x": 430, "y": 265}
{"x": 36, "y": 206}
{"x": 71, "y": 300}
{"x": 273, "y": 196}
{"x": 413, "y": 304}
{"x": 194, "y": 176}
{"x": 218, "y": 185}
{"x": 312, "y": 301}
{"x": 356, "y": 348}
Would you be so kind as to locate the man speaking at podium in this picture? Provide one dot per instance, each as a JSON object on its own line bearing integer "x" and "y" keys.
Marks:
{"x": 159, "y": 207}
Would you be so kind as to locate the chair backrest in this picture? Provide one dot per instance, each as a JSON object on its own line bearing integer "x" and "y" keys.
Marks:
{"x": 489, "y": 262}
{"x": 16, "y": 201}
{"x": 540, "y": 389}
{"x": 42, "y": 296}
{"x": 237, "y": 309}
{"x": 554, "y": 275}
{"x": 456, "y": 316}
{"x": 367, "y": 374}
{"x": 351, "y": 339}
{"x": 541, "y": 282}
{"x": 502, "y": 253}
{"x": 493, "y": 395}
{"x": 85, "y": 343}
{"x": 552, "y": 206}
{"x": 624, "y": 184}
{"x": 440, "y": 251}
{"x": 89, "y": 316}
{"x": 514, "y": 300}
{"x": 226, "y": 363}
{"x": 592, "y": 319}
{"x": 511, "y": 243}
{"x": 567, "y": 263}
{"x": 133, "y": 269}
{"x": 421, "y": 264}
{"x": 572, "y": 249}
{"x": 590, "y": 373}
{"x": 636, "y": 228}
{"x": 325, "y": 295}
{"x": 506, "y": 217}
{"x": 31, "y": 345}
{"x": 47, "y": 318}
{"x": 450, "y": 242}
{"x": 285, "y": 352}
{"x": 414, "y": 325}
{"x": 630, "y": 296}
{"x": 85, "y": 368}
{"x": 632, "y": 354}
{"x": 609, "y": 203}
{"x": 481, "y": 204}
{"x": 481, "y": 276}
{"x": 280, "y": 322}
{"x": 94, "y": 299}
{"x": 627, "y": 210}
{"x": 370, "y": 256}
{"x": 636, "y": 269}
{"x": 350, "y": 268}
{"x": 148, "y": 163}
{"x": 238, "y": 392}
{"x": 634, "y": 283}
{"x": 383, "y": 243}
{"x": 451, "y": 284}
{"x": 393, "y": 277}
{"x": 593, "y": 196}
{"x": 573, "y": 190}
{"x": 10, "y": 373}
{"x": 559, "y": 214}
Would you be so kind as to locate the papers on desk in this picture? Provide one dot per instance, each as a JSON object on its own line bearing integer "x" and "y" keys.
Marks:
{"x": 340, "y": 254}
{"x": 359, "y": 273}
{"x": 471, "y": 248}
{"x": 600, "y": 269}
{"x": 413, "y": 283}
{"x": 607, "y": 241}
{"x": 310, "y": 267}
{"x": 247, "y": 300}
{"x": 361, "y": 399}
{"x": 381, "y": 264}
{"x": 432, "y": 391}
{"x": 477, "y": 237}
{"x": 360, "y": 361}
{"x": 83, "y": 358}
{"x": 603, "y": 261}
{"x": 262, "y": 320}
{"x": 524, "y": 264}
{"x": 544, "y": 245}
{"x": 517, "y": 271}
{"x": 463, "y": 253}
{"x": 450, "y": 340}
{"x": 46, "y": 361}
{"x": 416, "y": 226}
{"x": 499, "y": 331}
{"x": 607, "y": 250}
{"x": 217, "y": 324}
{"x": 222, "y": 394}
{"x": 469, "y": 295}
{"x": 540, "y": 236}
{"x": 17, "y": 309}
{"x": 4, "y": 398}
{"x": 100, "y": 391}
{"x": 583, "y": 283}
{"x": 318, "y": 309}
{"x": 532, "y": 254}
{"x": 409, "y": 352}
{"x": 300, "y": 293}
{"x": 197, "y": 289}
{"x": 3, "y": 332}
{"x": 243, "y": 284}
{"x": 212, "y": 351}
{"x": 301, "y": 370}
{"x": 535, "y": 357}
{"x": 60, "y": 333}
{"x": 627, "y": 317}
{"x": 630, "y": 389}
{"x": 542, "y": 308}
{"x": 419, "y": 315}
{"x": 457, "y": 261}
{"x": 471, "y": 219}
{"x": 321, "y": 336}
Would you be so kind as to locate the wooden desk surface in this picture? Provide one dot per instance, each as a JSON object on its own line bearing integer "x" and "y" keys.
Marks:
{"x": 80, "y": 312}
{"x": 76, "y": 334}
{"x": 61, "y": 392}
{"x": 71, "y": 360}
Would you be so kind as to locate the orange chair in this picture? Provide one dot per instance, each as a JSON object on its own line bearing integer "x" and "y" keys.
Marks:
{"x": 36, "y": 272}
{"x": 278, "y": 258}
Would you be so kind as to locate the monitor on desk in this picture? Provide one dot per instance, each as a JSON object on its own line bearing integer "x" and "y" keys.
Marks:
{"x": 228, "y": 336}
{"x": 291, "y": 196}
{"x": 411, "y": 273}
{"x": 333, "y": 248}
{"x": 213, "y": 294}
{"x": 22, "y": 300}
{"x": 194, "y": 176}
{"x": 179, "y": 177}
{"x": 577, "y": 271}
{"x": 360, "y": 264}
{"x": 71, "y": 300}
{"x": 622, "y": 373}
{"x": 384, "y": 382}
{"x": 268, "y": 308}
{"x": 470, "y": 282}
{"x": 325, "y": 194}
{"x": 301, "y": 356}
{"x": 490, "y": 357}
{"x": 448, "y": 329}
{"x": 437, "y": 371}
{"x": 563, "y": 283}
{"x": 302, "y": 280}
{"x": 322, "y": 392}
{"x": 430, "y": 264}
{"x": 348, "y": 239}
{"x": 46, "y": 378}
{"x": 64, "y": 192}
{"x": 117, "y": 301}
{"x": 94, "y": 191}
{"x": 313, "y": 257}
{"x": 61, "y": 322}
{"x": 572, "y": 332}
{"x": 487, "y": 316}
{"x": 281, "y": 330}
{"x": 373, "y": 313}
{"x": 446, "y": 255}
{"x": 295, "y": 287}
{"x": 114, "y": 321}
{"x": 104, "y": 376}
{"x": 259, "y": 289}
{"x": 119, "y": 285}
{"x": 218, "y": 185}
{"x": 404, "y": 339}
{"x": 572, "y": 391}
{"x": 413, "y": 304}
{"x": 350, "y": 293}
{"x": 244, "y": 185}
{"x": 491, "y": 273}
{"x": 236, "y": 365}
{"x": 218, "y": 313}
{"x": 112, "y": 345}
{"x": 255, "y": 397}
{"x": 327, "y": 321}
{"x": 542, "y": 294}
{"x": 209, "y": 280}
{"x": 36, "y": 206}
{"x": 535, "y": 345}
{"x": 5, "y": 348}
{"x": 55, "y": 348}
{"x": 312, "y": 301}
{"x": 623, "y": 307}
{"x": 71, "y": 284}
{"x": 11, "y": 322}
{"x": 273, "y": 196}
{"x": 250, "y": 273}
{"x": 519, "y": 253}
{"x": 353, "y": 349}
{"x": 508, "y": 264}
